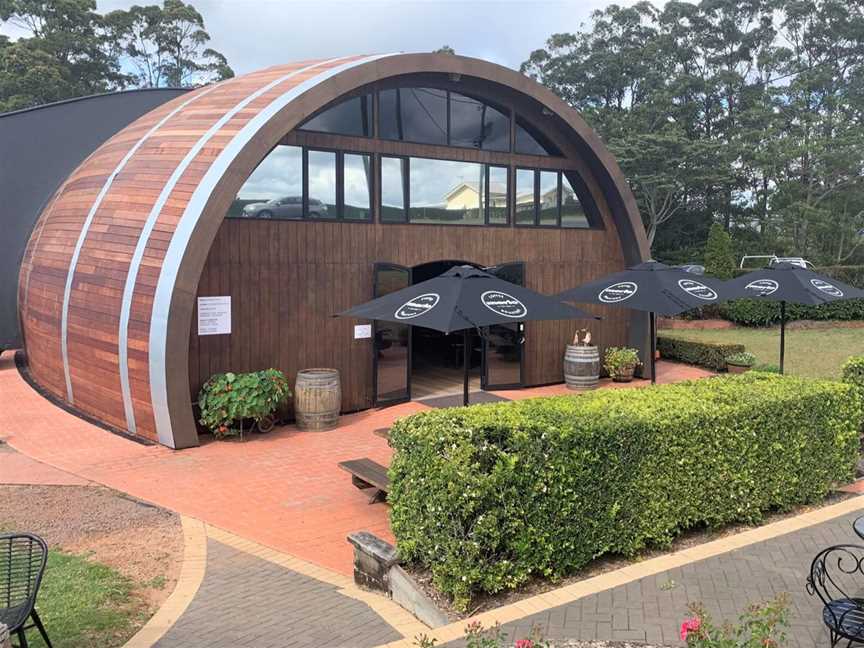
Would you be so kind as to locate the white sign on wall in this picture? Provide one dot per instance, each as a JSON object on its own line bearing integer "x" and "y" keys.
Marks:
{"x": 214, "y": 315}
{"x": 362, "y": 331}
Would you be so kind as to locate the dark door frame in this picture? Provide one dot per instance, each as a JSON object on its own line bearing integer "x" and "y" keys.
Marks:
{"x": 484, "y": 378}
{"x": 376, "y": 402}
{"x": 485, "y": 385}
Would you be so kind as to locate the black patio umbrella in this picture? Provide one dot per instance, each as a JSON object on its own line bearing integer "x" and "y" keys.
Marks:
{"x": 786, "y": 282}
{"x": 652, "y": 287}
{"x": 461, "y": 299}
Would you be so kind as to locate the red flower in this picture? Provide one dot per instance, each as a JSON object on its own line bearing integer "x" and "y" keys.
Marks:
{"x": 524, "y": 643}
{"x": 690, "y": 625}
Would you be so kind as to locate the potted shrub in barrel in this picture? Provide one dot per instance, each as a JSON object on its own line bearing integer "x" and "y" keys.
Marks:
{"x": 582, "y": 362}
{"x": 740, "y": 362}
{"x": 234, "y": 403}
{"x": 621, "y": 362}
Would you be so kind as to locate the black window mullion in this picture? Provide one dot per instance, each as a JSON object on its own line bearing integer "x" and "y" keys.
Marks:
{"x": 305, "y": 191}
{"x": 486, "y": 194}
{"x": 340, "y": 185}
{"x": 406, "y": 184}
{"x": 558, "y": 219}
{"x": 536, "y": 197}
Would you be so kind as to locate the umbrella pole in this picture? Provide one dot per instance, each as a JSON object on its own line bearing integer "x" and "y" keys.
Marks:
{"x": 782, "y": 334}
{"x": 653, "y": 327}
{"x": 467, "y": 359}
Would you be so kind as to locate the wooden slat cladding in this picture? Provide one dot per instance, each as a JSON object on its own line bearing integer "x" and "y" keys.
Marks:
{"x": 274, "y": 269}
{"x": 287, "y": 279}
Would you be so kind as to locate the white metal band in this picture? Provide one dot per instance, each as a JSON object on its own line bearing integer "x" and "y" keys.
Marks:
{"x": 85, "y": 229}
{"x": 189, "y": 219}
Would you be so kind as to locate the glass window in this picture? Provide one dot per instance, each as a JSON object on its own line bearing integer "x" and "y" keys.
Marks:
{"x": 525, "y": 200}
{"x": 350, "y": 117}
{"x": 322, "y": 185}
{"x": 393, "y": 175}
{"x": 572, "y": 212}
{"x": 447, "y": 192}
{"x": 548, "y": 198}
{"x": 530, "y": 142}
{"x": 478, "y": 125}
{"x": 499, "y": 196}
{"x": 356, "y": 177}
{"x": 413, "y": 115}
{"x": 275, "y": 188}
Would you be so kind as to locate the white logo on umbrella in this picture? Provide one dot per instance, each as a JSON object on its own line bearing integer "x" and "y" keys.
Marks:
{"x": 697, "y": 289}
{"x": 827, "y": 288}
{"x": 618, "y": 292}
{"x": 503, "y": 304}
{"x": 763, "y": 286}
{"x": 417, "y": 306}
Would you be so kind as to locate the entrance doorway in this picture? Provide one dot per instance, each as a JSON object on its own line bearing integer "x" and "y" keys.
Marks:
{"x": 437, "y": 359}
{"x": 419, "y": 363}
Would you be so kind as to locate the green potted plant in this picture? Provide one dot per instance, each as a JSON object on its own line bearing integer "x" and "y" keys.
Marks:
{"x": 232, "y": 403}
{"x": 621, "y": 362}
{"x": 740, "y": 362}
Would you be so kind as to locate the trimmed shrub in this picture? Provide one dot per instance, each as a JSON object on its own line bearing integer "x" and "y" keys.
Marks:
{"x": 853, "y": 372}
{"x": 488, "y": 496}
{"x": 711, "y": 355}
{"x": 719, "y": 255}
{"x": 752, "y": 312}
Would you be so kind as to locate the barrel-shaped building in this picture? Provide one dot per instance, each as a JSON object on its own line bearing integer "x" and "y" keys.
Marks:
{"x": 222, "y": 230}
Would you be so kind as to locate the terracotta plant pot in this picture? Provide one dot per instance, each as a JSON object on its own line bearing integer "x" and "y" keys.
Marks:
{"x": 624, "y": 375}
{"x": 736, "y": 369}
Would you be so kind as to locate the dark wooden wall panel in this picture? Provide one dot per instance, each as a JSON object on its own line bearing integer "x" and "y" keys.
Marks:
{"x": 287, "y": 279}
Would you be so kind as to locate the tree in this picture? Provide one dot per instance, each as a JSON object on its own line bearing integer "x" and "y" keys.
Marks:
{"x": 166, "y": 45}
{"x": 719, "y": 255}
{"x": 66, "y": 53}
{"x": 70, "y": 50}
{"x": 444, "y": 49}
{"x": 749, "y": 114}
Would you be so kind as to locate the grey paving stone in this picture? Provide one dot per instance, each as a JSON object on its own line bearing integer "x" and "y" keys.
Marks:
{"x": 245, "y": 601}
{"x": 646, "y": 610}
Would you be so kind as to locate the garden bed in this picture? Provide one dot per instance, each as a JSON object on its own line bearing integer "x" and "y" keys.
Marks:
{"x": 535, "y": 586}
{"x": 113, "y": 560}
{"x": 497, "y": 498}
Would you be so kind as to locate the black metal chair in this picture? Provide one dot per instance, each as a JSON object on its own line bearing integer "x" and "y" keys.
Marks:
{"x": 22, "y": 563}
{"x": 837, "y": 578}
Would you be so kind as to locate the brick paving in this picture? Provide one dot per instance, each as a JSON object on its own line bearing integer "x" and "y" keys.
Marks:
{"x": 19, "y": 469}
{"x": 245, "y": 601}
{"x": 283, "y": 490}
{"x": 651, "y": 609}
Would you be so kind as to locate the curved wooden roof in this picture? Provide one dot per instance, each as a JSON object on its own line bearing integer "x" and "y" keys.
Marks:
{"x": 109, "y": 278}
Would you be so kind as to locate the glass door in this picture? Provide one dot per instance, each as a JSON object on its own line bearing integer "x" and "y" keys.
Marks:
{"x": 391, "y": 364}
{"x": 502, "y": 348}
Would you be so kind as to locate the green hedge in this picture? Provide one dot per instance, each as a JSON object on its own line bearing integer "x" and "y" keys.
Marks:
{"x": 752, "y": 312}
{"x": 853, "y": 372}
{"x": 488, "y": 496}
{"x": 711, "y": 355}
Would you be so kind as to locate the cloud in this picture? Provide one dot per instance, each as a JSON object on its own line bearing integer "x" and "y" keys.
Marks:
{"x": 258, "y": 33}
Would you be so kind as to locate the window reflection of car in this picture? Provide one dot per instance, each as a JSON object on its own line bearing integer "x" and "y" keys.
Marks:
{"x": 289, "y": 207}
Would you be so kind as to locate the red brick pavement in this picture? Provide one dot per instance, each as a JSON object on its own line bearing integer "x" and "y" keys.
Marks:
{"x": 283, "y": 489}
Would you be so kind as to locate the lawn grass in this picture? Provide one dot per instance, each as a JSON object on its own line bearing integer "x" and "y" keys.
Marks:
{"x": 813, "y": 353}
{"x": 84, "y": 603}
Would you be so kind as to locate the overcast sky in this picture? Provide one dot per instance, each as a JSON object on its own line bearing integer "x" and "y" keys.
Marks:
{"x": 257, "y": 33}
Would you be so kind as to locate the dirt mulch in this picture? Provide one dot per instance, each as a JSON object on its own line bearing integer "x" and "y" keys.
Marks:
{"x": 141, "y": 541}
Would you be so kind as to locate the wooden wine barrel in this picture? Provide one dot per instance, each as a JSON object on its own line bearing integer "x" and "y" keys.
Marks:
{"x": 317, "y": 398}
{"x": 582, "y": 367}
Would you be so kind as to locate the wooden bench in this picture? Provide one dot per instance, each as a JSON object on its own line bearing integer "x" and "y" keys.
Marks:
{"x": 366, "y": 473}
